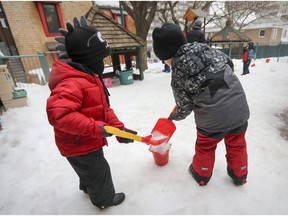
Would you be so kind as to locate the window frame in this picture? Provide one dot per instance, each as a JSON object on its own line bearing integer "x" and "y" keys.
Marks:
{"x": 274, "y": 33}
{"x": 260, "y": 32}
{"x": 285, "y": 33}
{"x": 117, "y": 16}
{"x": 43, "y": 19}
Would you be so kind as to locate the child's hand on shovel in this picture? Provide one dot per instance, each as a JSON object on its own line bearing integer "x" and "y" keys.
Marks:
{"x": 126, "y": 140}
{"x": 105, "y": 133}
{"x": 176, "y": 116}
{"x": 172, "y": 114}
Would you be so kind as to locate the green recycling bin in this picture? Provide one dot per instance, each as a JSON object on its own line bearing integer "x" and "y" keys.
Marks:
{"x": 19, "y": 93}
{"x": 125, "y": 77}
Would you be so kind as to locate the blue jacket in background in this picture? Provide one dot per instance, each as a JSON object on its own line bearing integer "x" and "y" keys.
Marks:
{"x": 251, "y": 54}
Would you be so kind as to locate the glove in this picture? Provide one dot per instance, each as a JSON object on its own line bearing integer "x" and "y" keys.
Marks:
{"x": 176, "y": 117}
{"x": 125, "y": 140}
{"x": 61, "y": 39}
{"x": 171, "y": 116}
{"x": 105, "y": 133}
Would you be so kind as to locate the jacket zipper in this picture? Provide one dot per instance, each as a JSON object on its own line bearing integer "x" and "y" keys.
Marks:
{"x": 76, "y": 140}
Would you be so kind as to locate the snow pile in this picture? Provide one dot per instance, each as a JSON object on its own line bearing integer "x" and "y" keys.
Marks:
{"x": 37, "y": 180}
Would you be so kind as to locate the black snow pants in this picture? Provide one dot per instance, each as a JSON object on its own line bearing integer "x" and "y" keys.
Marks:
{"x": 94, "y": 175}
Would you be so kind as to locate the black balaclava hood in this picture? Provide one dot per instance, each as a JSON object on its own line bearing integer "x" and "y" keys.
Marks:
{"x": 87, "y": 46}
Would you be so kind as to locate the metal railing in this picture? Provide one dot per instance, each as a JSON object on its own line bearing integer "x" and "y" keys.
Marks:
{"x": 36, "y": 68}
{"x": 29, "y": 68}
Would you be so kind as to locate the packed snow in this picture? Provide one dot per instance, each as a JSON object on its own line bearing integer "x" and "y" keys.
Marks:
{"x": 37, "y": 180}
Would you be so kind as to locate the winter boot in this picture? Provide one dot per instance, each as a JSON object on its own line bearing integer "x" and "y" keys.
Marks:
{"x": 116, "y": 200}
{"x": 237, "y": 180}
{"x": 202, "y": 181}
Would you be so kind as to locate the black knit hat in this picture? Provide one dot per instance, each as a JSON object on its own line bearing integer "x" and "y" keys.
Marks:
{"x": 167, "y": 40}
{"x": 197, "y": 24}
{"x": 86, "y": 45}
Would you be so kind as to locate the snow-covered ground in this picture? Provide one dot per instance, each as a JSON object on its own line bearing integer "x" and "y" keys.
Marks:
{"x": 36, "y": 179}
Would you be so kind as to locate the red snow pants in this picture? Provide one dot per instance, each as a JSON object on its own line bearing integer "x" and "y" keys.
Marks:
{"x": 236, "y": 151}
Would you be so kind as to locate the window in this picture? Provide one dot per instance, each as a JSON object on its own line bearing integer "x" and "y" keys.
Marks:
{"x": 118, "y": 19}
{"x": 274, "y": 33}
{"x": 285, "y": 34}
{"x": 262, "y": 33}
{"x": 3, "y": 23}
{"x": 51, "y": 18}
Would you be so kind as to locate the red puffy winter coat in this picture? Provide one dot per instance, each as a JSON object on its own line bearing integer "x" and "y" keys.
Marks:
{"x": 245, "y": 56}
{"x": 76, "y": 107}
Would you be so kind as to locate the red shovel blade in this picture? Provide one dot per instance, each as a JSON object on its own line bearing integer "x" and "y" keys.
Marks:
{"x": 162, "y": 131}
{"x": 150, "y": 140}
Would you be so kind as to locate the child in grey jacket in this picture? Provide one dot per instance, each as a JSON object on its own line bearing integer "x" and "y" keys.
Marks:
{"x": 203, "y": 81}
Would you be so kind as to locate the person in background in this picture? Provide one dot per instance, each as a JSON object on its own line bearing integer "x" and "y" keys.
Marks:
{"x": 78, "y": 108}
{"x": 148, "y": 55}
{"x": 166, "y": 68}
{"x": 245, "y": 60}
{"x": 196, "y": 34}
{"x": 251, "y": 54}
{"x": 203, "y": 81}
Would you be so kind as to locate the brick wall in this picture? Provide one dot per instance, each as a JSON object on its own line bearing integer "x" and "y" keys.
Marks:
{"x": 25, "y": 23}
{"x": 73, "y": 9}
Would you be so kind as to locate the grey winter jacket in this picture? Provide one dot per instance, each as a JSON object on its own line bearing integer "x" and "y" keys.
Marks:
{"x": 203, "y": 81}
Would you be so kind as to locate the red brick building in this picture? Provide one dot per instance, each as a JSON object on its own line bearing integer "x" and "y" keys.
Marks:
{"x": 26, "y": 26}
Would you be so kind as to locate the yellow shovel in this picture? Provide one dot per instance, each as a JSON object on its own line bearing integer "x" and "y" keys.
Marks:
{"x": 148, "y": 139}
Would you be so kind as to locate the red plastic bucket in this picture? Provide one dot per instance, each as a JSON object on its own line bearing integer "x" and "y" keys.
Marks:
{"x": 161, "y": 153}
{"x": 161, "y": 159}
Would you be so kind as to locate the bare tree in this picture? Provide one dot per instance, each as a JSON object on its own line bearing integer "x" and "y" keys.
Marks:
{"x": 142, "y": 13}
{"x": 241, "y": 13}
{"x": 204, "y": 6}
{"x": 167, "y": 12}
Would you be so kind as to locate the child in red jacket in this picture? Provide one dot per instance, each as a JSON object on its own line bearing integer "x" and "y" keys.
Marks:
{"x": 245, "y": 60}
{"x": 78, "y": 108}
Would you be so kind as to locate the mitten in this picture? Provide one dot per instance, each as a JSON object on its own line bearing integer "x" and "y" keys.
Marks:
{"x": 125, "y": 140}
{"x": 170, "y": 117}
{"x": 105, "y": 133}
{"x": 176, "y": 117}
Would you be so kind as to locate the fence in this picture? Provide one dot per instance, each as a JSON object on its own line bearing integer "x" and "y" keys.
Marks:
{"x": 36, "y": 68}
{"x": 262, "y": 49}
{"x": 29, "y": 68}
